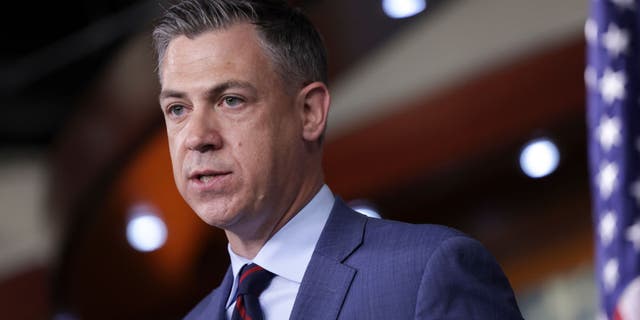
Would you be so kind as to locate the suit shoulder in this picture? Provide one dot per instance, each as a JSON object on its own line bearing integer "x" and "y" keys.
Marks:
{"x": 420, "y": 233}
{"x": 399, "y": 241}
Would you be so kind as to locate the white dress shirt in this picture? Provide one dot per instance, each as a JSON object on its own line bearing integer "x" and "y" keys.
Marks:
{"x": 287, "y": 255}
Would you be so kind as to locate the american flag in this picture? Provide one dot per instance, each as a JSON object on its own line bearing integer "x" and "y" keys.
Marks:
{"x": 612, "y": 77}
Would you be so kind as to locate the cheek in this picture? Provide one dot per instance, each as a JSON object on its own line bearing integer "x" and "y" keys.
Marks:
{"x": 176, "y": 159}
{"x": 173, "y": 151}
{"x": 255, "y": 155}
{"x": 175, "y": 137}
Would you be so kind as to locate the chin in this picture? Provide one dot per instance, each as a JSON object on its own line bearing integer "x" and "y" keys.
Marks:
{"x": 213, "y": 221}
{"x": 216, "y": 213}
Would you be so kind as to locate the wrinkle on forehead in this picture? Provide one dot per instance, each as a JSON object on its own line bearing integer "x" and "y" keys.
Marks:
{"x": 209, "y": 47}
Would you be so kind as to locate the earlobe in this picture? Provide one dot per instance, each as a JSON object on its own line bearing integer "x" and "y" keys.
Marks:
{"x": 316, "y": 100}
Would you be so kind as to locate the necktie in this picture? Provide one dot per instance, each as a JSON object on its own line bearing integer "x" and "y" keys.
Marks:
{"x": 253, "y": 280}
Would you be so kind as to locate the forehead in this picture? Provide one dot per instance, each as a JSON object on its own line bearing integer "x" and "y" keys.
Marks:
{"x": 234, "y": 49}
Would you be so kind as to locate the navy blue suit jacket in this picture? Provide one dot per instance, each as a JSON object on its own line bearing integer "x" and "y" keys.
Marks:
{"x": 364, "y": 268}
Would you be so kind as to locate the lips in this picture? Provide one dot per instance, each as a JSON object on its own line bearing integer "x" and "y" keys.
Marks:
{"x": 209, "y": 179}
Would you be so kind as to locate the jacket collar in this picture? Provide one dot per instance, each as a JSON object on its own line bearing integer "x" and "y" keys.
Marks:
{"x": 327, "y": 280}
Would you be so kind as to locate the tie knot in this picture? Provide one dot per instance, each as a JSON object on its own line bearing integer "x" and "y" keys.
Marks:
{"x": 253, "y": 279}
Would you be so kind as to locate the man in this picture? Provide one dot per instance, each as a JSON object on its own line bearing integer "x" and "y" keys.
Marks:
{"x": 245, "y": 102}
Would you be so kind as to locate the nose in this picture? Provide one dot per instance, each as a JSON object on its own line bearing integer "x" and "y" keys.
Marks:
{"x": 202, "y": 133}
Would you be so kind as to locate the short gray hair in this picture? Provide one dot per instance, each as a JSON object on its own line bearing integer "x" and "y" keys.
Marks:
{"x": 287, "y": 36}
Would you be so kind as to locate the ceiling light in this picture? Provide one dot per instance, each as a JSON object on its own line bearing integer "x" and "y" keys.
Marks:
{"x": 145, "y": 230}
{"x": 539, "y": 158}
{"x": 399, "y": 9}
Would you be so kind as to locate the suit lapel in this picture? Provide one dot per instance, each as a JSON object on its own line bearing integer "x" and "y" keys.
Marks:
{"x": 327, "y": 280}
{"x": 218, "y": 303}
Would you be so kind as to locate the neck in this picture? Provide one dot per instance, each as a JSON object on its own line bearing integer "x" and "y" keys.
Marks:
{"x": 248, "y": 245}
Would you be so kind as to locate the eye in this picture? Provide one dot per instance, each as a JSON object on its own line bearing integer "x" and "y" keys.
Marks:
{"x": 176, "y": 110}
{"x": 232, "y": 102}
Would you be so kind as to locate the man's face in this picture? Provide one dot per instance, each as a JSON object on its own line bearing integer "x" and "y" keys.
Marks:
{"x": 234, "y": 131}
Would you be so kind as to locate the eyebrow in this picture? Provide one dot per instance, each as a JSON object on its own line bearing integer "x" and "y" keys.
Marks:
{"x": 164, "y": 94}
{"x": 211, "y": 92}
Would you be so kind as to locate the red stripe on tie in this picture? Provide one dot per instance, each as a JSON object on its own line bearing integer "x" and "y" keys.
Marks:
{"x": 248, "y": 272}
{"x": 241, "y": 309}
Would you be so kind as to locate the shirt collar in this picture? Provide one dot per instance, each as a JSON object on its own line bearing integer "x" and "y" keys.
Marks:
{"x": 288, "y": 252}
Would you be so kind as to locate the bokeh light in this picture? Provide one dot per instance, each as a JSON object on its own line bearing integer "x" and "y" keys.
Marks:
{"x": 539, "y": 158}
{"x": 399, "y": 9}
{"x": 145, "y": 230}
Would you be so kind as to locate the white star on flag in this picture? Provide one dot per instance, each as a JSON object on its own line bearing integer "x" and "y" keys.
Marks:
{"x": 610, "y": 274}
{"x": 613, "y": 117}
{"x": 606, "y": 179}
{"x": 633, "y": 235}
{"x": 591, "y": 77}
{"x": 591, "y": 31}
{"x": 607, "y": 227}
{"x": 608, "y": 132}
{"x": 635, "y": 191}
{"x": 612, "y": 85}
{"x": 624, "y": 4}
{"x": 615, "y": 40}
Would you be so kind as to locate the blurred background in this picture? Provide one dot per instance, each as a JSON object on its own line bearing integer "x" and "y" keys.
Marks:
{"x": 458, "y": 112}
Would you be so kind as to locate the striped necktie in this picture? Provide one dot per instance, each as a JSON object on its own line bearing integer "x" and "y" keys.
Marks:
{"x": 253, "y": 280}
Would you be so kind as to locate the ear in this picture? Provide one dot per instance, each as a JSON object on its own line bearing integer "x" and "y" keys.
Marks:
{"x": 315, "y": 100}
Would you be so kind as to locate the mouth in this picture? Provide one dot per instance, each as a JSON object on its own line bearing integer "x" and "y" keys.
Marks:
{"x": 206, "y": 177}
